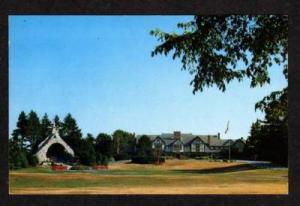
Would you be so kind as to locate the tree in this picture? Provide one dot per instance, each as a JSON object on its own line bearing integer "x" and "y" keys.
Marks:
{"x": 33, "y": 130}
{"x": 24, "y": 141}
{"x": 124, "y": 144}
{"x": 17, "y": 156}
{"x": 59, "y": 125}
{"x": 213, "y": 47}
{"x": 71, "y": 133}
{"x": 219, "y": 49}
{"x": 86, "y": 152}
{"x": 20, "y": 133}
{"x": 45, "y": 127}
{"x": 22, "y": 124}
{"x": 90, "y": 138}
{"x": 104, "y": 145}
{"x": 144, "y": 147}
{"x": 269, "y": 137}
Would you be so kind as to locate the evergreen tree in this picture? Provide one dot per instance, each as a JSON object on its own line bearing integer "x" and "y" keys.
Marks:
{"x": 123, "y": 143}
{"x": 144, "y": 146}
{"x": 71, "y": 133}
{"x": 104, "y": 147}
{"x": 59, "y": 125}
{"x": 86, "y": 152}
{"x": 34, "y": 130}
{"x": 45, "y": 127}
{"x": 22, "y": 125}
{"x": 90, "y": 138}
{"x": 20, "y": 133}
{"x": 17, "y": 157}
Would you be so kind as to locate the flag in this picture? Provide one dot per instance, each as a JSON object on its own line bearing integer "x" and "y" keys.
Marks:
{"x": 227, "y": 127}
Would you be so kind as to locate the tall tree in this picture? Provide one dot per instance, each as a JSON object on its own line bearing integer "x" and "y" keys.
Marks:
{"x": 219, "y": 49}
{"x": 33, "y": 130}
{"x": 17, "y": 157}
{"x": 20, "y": 133}
{"x": 124, "y": 144}
{"x": 59, "y": 124}
{"x": 71, "y": 133}
{"x": 86, "y": 152}
{"x": 144, "y": 146}
{"x": 270, "y": 135}
{"x": 45, "y": 127}
{"x": 104, "y": 145}
{"x": 90, "y": 138}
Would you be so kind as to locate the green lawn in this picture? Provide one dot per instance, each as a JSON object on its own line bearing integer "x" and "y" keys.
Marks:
{"x": 180, "y": 176}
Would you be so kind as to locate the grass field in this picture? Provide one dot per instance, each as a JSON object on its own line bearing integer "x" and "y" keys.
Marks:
{"x": 173, "y": 177}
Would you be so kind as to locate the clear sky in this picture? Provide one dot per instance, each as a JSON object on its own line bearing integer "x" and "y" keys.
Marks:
{"x": 99, "y": 69}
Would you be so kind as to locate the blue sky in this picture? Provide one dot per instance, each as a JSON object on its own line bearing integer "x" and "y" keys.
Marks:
{"x": 99, "y": 69}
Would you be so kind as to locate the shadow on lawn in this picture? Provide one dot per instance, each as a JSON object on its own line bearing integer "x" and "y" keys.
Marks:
{"x": 235, "y": 168}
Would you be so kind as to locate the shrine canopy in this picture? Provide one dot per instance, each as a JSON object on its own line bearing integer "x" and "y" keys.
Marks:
{"x": 52, "y": 140}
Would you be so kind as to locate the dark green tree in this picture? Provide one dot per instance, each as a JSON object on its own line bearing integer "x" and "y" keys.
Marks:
{"x": 45, "y": 127}
{"x": 124, "y": 144}
{"x": 272, "y": 136}
{"x": 144, "y": 146}
{"x": 86, "y": 152}
{"x": 20, "y": 133}
{"x": 219, "y": 49}
{"x": 59, "y": 124}
{"x": 22, "y": 125}
{"x": 71, "y": 133}
{"x": 104, "y": 147}
{"x": 90, "y": 138}
{"x": 17, "y": 157}
{"x": 33, "y": 130}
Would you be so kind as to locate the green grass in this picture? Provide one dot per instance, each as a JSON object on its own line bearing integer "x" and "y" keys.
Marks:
{"x": 145, "y": 177}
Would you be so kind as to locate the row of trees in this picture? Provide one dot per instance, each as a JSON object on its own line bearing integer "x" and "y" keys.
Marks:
{"x": 89, "y": 150}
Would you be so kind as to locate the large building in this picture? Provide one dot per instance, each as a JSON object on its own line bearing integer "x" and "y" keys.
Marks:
{"x": 178, "y": 142}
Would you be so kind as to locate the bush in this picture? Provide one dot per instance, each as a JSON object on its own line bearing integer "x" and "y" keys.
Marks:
{"x": 20, "y": 161}
{"x": 102, "y": 159}
{"x": 33, "y": 160}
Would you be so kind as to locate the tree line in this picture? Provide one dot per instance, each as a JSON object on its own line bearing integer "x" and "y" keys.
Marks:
{"x": 89, "y": 150}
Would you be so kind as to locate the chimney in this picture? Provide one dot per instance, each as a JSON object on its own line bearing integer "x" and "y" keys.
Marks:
{"x": 218, "y": 135}
{"x": 208, "y": 140}
{"x": 177, "y": 135}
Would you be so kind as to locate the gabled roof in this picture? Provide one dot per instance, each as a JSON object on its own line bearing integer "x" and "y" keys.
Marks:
{"x": 169, "y": 141}
{"x": 188, "y": 138}
{"x": 177, "y": 140}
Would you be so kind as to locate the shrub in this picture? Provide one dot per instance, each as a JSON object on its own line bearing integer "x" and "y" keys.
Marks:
{"x": 20, "y": 161}
{"x": 33, "y": 160}
{"x": 102, "y": 159}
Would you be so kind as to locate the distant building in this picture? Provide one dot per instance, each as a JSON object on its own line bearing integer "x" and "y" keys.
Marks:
{"x": 178, "y": 142}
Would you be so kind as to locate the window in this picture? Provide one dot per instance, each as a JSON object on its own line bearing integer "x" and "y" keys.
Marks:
{"x": 177, "y": 147}
{"x": 197, "y": 147}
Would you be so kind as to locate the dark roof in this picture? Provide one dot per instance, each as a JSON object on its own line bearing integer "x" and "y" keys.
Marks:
{"x": 188, "y": 138}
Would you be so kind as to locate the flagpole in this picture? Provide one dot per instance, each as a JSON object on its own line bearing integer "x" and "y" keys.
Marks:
{"x": 229, "y": 151}
{"x": 229, "y": 146}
